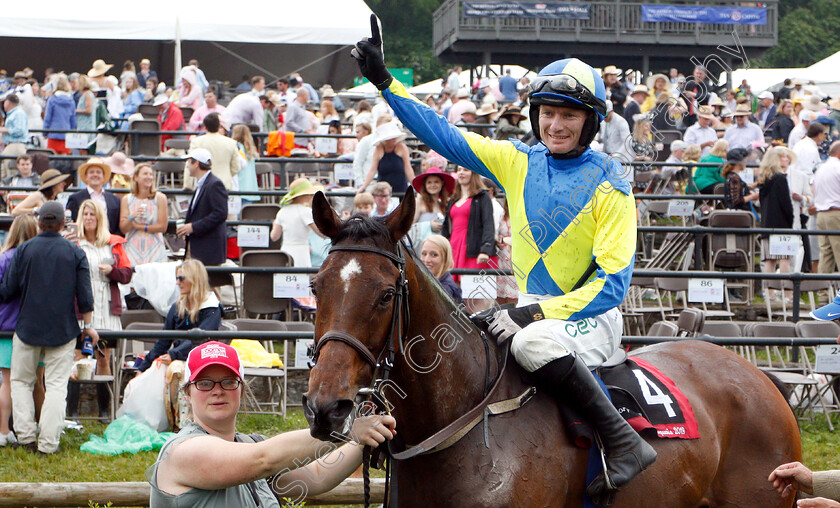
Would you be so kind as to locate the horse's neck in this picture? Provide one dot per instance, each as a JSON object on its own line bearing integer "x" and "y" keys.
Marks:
{"x": 442, "y": 374}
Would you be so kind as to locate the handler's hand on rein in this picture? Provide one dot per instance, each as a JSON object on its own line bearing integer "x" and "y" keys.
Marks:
{"x": 375, "y": 429}
{"x": 817, "y": 502}
{"x": 368, "y": 53}
{"x": 504, "y": 322}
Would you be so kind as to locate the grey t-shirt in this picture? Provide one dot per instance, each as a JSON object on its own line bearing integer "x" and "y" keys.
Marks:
{"x": 240, "y": 495}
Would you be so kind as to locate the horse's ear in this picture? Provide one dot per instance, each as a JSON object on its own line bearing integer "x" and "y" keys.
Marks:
{"x": 325, "y": 217}
{"x": 400, "y": 220}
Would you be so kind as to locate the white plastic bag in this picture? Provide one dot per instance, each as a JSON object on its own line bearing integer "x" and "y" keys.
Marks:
{"x": 144, "y": 397}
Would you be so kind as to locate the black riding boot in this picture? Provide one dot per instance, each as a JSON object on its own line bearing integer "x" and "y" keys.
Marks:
{"x": 73, "y": 400}
{"x": 627, "y": 454}
{"x": 104, "y": 400}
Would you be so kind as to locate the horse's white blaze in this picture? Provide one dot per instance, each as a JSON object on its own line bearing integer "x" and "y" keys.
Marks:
{"x": 348, "y": 271}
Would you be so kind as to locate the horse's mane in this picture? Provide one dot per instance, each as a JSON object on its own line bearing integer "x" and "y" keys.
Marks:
{"x": 361, "y": 227}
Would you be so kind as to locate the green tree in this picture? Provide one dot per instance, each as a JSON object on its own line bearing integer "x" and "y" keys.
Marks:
{"x": 407, "y": 32}
{"x": 809, "y": 30}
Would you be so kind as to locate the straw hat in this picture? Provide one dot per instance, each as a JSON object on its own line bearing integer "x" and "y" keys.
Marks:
{"x": 640, "y": 89}
{"x": 742, "y": 110}
{"x": 95, "y": 162}
{"x": 388, "y": 131}
{"x": 515, "y": 110}
{"x": 419, "y": 181}
{"x": 611, "y": 69}
{"x": 120, "y": 164}
{"x": 651, "y": 81}
{"x": 705, "y": 112}
{"x": 160, "y": 100}
{"x": 327, "y": 92}
{"x": 299, "y": 187}
{"x": 51, "y": 177}
{"x": 99, "y": 68}
{"x": 813, "y": 103}
{"x": 716, "y": 101}
{"x": 834, "y": 103}
{"x": 486, "y": 109}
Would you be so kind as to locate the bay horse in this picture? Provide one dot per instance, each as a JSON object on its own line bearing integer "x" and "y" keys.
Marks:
{"x": 746, "y": 426}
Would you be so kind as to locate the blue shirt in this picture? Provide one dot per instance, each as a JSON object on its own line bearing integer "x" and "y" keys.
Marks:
{"x": 507, "y": 85}
{"x": 18, "y": 125}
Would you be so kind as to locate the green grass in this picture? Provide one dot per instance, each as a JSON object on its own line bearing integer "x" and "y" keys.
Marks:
{"x": 819, "y": 450}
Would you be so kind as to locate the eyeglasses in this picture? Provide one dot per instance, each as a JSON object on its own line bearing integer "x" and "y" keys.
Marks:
{"x": 180, "y": 278}
{"x": 205, "y": 385}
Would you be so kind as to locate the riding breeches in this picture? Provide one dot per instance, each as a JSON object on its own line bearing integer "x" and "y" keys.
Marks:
{"x": 593, "y": 340}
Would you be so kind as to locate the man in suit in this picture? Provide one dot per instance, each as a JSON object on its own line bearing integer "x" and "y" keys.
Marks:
{"x": 223, "y": 150}
{"x": 767, "y": 110}
{"x": 205, "y": 223}
{"x": 640, "y": 93}
{"x": 96, "y": 173}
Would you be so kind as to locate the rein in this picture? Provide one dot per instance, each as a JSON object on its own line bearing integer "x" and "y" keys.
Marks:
{"x": 382, "y": 366}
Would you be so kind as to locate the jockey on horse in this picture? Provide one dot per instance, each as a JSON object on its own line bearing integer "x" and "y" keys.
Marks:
{"x": 573, "y": 211}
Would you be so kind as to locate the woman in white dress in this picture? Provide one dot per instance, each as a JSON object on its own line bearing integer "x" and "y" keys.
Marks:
{"x": 294, "y": 221}
{"x": 109, "y": 265}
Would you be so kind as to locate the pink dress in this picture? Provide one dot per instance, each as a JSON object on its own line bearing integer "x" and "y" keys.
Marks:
{"x": 460, "y": 220}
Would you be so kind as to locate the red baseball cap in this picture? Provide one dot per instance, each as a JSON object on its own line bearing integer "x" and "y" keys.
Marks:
{"x": 212, "y": 353}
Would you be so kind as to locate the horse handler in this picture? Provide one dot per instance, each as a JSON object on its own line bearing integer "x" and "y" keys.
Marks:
{"x": 570, "y": 210}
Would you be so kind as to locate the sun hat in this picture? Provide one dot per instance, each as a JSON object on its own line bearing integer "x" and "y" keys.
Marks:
{"x": 705, "y": 112}
{"x": 640, "y": 89}
{"x": 120, "y": 164}
{"x": 299, "y": 187}
{"x": 725, "y": 113}
{"x": 145, "y": 61}
{"x": 99, "y": 68}
{"x": 742, "y": 110}
{"x": 95, "y": 162}
{"x": 419, "y": 181}
{"x": 388, "y": 131}
{"x": 212, "y": 353}
{"x": 470, "y": 108}
{"x": 20, "y": 75}
{"x": 327, "y": 93}
{"x": 828, "y": 312}
{"x": 51, "y": 212}
{"x": 767, "y": 94}
{"x": 834, "y": 103}
{"x": 798, "y": 81}
{"x": 486, "y": 109}
{"x": 202, "y": 155}
{"x": 512, "y": 110}
{"x": 160, "y": 100}
{"x": 611, "y": 69}
{"x": 814, "y": 103}
{"x": 463, "y": 93}
{"x": 651, "y": 81}
{"x": 51, "y": 177}
{"x": 737, "y": 155}
{"x": 716, "y": 101}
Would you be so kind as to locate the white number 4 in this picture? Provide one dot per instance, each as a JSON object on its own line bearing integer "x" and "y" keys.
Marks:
{"x": 653, "y": 395}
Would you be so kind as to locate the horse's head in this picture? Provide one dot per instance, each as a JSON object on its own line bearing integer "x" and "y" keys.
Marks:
{"x": 356, "y": 290}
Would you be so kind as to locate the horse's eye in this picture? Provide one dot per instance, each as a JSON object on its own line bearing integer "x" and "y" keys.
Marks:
{"x": 387, "y": 297}
{"x": 312, "y": 288}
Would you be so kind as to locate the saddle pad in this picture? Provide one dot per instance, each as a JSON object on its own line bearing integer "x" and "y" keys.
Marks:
{"x": 648, "y": 399}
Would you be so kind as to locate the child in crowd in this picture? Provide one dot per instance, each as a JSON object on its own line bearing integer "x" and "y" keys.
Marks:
{"x": 364, "y": 203}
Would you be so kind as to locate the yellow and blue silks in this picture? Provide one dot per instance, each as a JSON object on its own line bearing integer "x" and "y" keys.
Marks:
{"x": 565, "y": 213}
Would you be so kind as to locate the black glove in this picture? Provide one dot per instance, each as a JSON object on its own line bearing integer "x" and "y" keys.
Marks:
{"x": 368, "y": 52}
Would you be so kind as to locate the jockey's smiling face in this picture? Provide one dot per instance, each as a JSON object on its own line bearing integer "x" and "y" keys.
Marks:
{"x": 560, "y": 127}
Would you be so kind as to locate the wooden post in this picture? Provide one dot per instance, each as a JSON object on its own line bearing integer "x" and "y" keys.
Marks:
{"x": 137, "y": 493}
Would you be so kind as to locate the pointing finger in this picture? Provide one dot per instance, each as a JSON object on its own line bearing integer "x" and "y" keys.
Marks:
{"x": 375, "y": 35}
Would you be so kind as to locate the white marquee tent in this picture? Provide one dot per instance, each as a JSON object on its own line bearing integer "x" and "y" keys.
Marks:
{"x": 229, "y": 41}
{"x": 823, "y": 73}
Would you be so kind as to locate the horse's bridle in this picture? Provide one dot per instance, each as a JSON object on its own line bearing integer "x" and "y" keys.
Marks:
{"x": 400, "y": 320}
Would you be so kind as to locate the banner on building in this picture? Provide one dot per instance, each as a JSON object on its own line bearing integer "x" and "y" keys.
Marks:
{"x": 546, "y": 10}
{"x": 698, "y": 14}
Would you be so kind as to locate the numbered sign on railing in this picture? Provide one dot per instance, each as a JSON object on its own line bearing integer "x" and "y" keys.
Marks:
{"x": 291, "y": 285}
{"x": 343, "y": 171}
{"x": 705, "y": 290}
{"x": 301, "y": 349}
{"x": 680, "y": 207}
{"x": 747, "y": 176}
{"x": 76, "y": 140}
{"x": 478, "y": 286}
{"x": 784, "y": 245}
{"x": 828, "y": 359}
{"x": 235, "y": 205}
{"x": 326, "y": 145}
{"x": 252, "y": 236}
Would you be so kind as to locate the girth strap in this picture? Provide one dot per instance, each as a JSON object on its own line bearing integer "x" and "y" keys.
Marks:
{"x": 348, "y": 339}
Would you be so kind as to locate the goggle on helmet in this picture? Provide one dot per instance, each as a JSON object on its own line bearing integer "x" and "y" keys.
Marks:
{"x": 560, "y": 89}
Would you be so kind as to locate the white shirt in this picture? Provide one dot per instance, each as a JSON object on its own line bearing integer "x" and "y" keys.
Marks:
{"x": 198, "y": 185}
{"x": 363, "y": 158}
{"x": 807, "y": 156}
{"x": 614, "y": 136}
{"x": 796, "y": 135}
{"x": 244, "y": 108}
{"x": 744, "y": 137}
{"x": 696, "y": 135}
{"x": 827, "y": 185}
{"x": 799, "y": 183}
